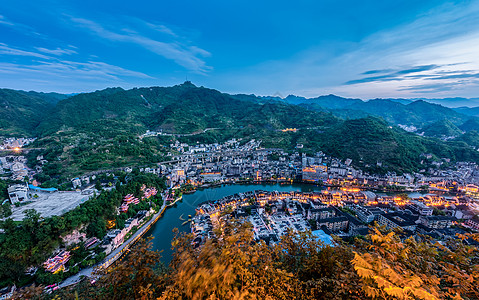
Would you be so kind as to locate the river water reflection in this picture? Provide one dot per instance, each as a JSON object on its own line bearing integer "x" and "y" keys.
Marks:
{"x": 175, "y": 217}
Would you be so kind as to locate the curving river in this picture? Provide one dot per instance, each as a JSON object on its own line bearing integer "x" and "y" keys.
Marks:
{"x": 176, "y": 216}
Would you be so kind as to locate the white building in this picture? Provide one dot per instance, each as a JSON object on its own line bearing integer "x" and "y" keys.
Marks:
{"x": 18, "y": 193}
{"x": 421, "y": 208}
{"x": 76, "y": 182}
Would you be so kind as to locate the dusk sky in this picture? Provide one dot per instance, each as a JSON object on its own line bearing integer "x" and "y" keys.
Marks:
{"x": 364, "y": 49}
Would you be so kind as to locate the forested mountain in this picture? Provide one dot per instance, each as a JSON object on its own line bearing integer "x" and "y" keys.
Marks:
{"x": 21, "y": 112}
{"x": 418, "y": 113}
{"x": 52, "y": 98}
{"x": 471, "y": 138}
{"x": 442, "y": 129}
{"x": 179, "y": 109}
{"x": 456, "y": 102}
{"x": 396, "y": 111}
{"x": 97, "y": 130}
{"x": 471, "y": 124}
{"x": 470, "y": 111}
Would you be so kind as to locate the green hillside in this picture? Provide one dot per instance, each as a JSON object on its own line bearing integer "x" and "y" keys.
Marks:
{"x": 471, "y": 124}
{"x": 52, "y": 98}
{"x": 369, "y": 141}
{"x": 441, "y": 128}
{"x": 470, "y": 138}
{"x": 470, "y": 111}
{"x": 21, "y": 112}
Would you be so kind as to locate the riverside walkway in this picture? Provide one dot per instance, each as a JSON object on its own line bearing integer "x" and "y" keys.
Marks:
{"x": 118, "y": 252}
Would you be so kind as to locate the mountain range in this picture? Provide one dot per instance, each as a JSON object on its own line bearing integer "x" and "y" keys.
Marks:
{"x": 417, "y": 113}
{"x": 99, "y": 129}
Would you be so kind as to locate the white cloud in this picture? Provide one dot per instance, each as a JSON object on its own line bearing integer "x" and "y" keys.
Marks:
{"x": 7, "y": 50}
{"x": 68, "y": 76}
{"x": 91, "y": 69}
{"x": 21, "y": 28}
{"x": 57, "y": 51}
{"x": 189, "y": 57}
{"x": 162, "y": 28}
{"x": 4, "y": 21}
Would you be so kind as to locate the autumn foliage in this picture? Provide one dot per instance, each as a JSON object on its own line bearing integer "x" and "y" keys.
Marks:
{"x": 391, "y": 268}
{"x": 383, "y": 265}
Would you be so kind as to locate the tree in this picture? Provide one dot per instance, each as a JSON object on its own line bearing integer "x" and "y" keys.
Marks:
{"x": 235, "y": 267}
{"x": 410, "y": 269}
{"x": 30, "y": 221}
{"x": 438, "y": 212}
{"x": 31, "y": 292}
{"x": 5, "y": 210}
{"x": 97, "y": 228}
{"x": 140, "y": 276}
{"x": 98, "y": 185}
{"x": 403, "y": 196}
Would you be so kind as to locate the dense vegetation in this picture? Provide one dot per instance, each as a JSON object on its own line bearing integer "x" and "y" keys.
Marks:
{"x": 471, "y": 124}
{"x": 100, "y": 130}
{"x": 179, "y": 109}
{"x": 470, "y": 138}
{"x": 381, "y": 265}
{"x": 29, "y": 242}
{"x": 21, "y": 112}
{"x": 375, "y": 146}
{"x": 441, "y": 129}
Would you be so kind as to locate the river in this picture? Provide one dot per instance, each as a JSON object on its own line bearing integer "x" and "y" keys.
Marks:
{"x": 175, "y": 217}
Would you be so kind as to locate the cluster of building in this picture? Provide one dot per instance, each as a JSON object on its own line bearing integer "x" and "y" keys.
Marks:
{"x": 343, "y": 213}
{"x": 235, "y": 160}
{"x": 14, "y": 143}
{"x": 14, "y": 167}
{"x": 91, "y": 243}
{"x": 57, "y": 263}
{"x": 148, "y": 192}
{"x": 127, "y": 200}
{"x": 131, "y": 199}
{"x": 115, "y": 237}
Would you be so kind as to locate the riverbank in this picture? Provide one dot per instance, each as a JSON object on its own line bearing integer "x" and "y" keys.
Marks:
{"x": 118, "y": 252}
{"x": 138, "y": 234}
{"x": 321, "y": 184}
{"x": 123, "y": 249}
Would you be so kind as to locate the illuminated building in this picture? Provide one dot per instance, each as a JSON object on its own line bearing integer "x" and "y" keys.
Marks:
{"x": 211, "y": 176}
{"x": 57, "y": 263}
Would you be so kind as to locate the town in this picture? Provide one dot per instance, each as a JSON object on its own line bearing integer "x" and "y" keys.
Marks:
{"x": 344, "y": 213}
{"x": 351, "y": 200}
{"x": 235, "y": 161}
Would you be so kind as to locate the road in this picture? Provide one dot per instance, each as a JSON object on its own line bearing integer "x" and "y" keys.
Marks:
{"x": 117, "y": 253}
{"x": 21, "y": 150}
{"x": 179, "y": 134}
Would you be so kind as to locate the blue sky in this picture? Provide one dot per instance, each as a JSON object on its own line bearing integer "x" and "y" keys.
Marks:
{"x": 363, "y": 49}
